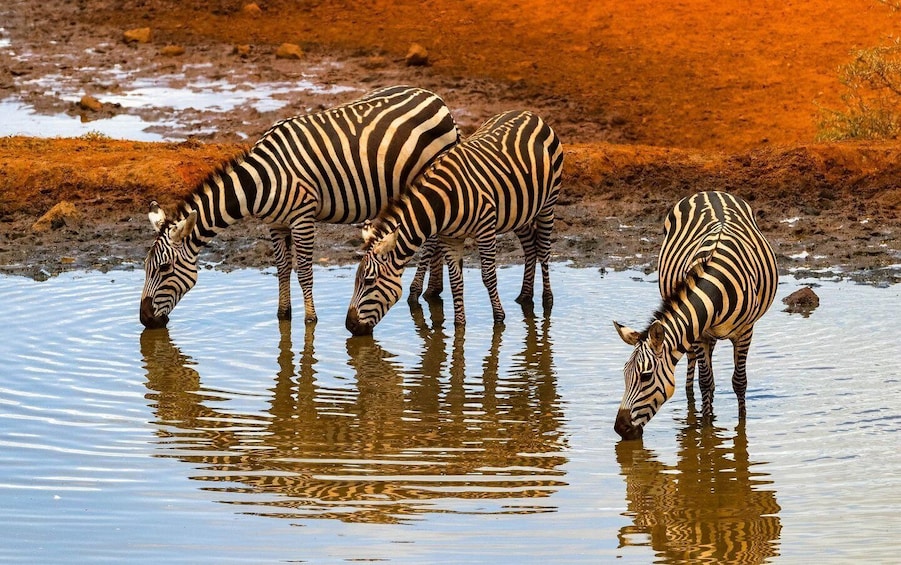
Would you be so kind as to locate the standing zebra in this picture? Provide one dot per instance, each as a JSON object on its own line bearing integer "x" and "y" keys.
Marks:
{"x": 338, "y": 166}
{"x": 718, "y": 276}
{"x": 504, "y": 177}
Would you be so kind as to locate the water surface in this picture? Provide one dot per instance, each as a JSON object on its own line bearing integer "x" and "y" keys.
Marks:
{"x": 231, "y": 437}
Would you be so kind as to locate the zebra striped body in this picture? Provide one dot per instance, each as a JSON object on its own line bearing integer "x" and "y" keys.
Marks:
{"x": 338, "y": 166}
{"x": 505, "y": 177}
{"x": 718, "y": 276}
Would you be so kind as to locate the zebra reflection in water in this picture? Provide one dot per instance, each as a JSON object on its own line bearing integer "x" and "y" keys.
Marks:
{"x": 296, "y": 459}
{"x": 708, "y": 508}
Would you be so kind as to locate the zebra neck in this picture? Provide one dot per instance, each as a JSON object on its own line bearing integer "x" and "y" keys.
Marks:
{"x": 225, "y": 197}
{"x": 420, "y": 215}
{"x": 687, "y": 315}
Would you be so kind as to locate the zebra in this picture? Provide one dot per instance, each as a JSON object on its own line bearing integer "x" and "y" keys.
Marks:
{"x": 504, "y": 177}
{"x": 338, "y": 166}
{"x": 718, "y": 276}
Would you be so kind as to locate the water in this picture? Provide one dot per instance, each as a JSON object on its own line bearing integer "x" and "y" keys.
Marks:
{"x": 231, "y": 437}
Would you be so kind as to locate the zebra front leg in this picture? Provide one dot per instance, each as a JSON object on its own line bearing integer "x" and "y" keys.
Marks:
{"x": 704, "y": 351}
{"x": 692, "y": 358}
{"x": 436, "y": 271}
{"x": 487, "y": 258}
{"x": 302, "y": 234}
{"x": 419, "y": 277}
{"x": 740, "y": 346}
{"x": 526, "y": 235}
{"x": 453, "y": 253}
{"x": 281, "y": 244}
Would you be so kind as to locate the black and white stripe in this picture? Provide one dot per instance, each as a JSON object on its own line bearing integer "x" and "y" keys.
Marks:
{"x": 505, "y": 177}
{"x": 718, "y": 276}
{"x": 338, "y": 166}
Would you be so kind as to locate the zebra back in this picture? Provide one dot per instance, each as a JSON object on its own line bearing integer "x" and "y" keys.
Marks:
{"x": 506, "y": 172}
{"x": 715, "y": 233}
{"x": 347, "y": 162}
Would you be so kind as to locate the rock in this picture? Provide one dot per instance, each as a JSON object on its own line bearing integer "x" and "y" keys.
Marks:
{"x": 252, "y": 9}
{"x": 802, "y": 301}
{"x": 62, "y": 214}
{"x": 241, "y": 51}
{"x": 172, "y": 51}
{"x": 90, "y": 103}
{"x": 137, "y": 35}
{"x": 289, "y": 51}
{"x": 417, "y": 56}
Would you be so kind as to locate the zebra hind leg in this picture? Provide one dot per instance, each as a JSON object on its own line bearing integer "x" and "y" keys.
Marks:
{"x": 281, "y": 244}
{"x": 740, "y": 346}
{"x": 544, "y": 225}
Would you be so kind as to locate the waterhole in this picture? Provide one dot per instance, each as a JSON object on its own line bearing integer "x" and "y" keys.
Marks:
{"x": 231, "y": 437}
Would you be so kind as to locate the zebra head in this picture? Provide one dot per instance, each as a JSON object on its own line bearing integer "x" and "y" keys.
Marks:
{"x": 649, "y": 379}
{"x": 378, "y": 282}
{"x": 170, "y": 267}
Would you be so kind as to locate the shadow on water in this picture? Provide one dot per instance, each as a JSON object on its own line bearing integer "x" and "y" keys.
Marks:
{"x": 708, "y": 508}
{"x": 393, "y": 444}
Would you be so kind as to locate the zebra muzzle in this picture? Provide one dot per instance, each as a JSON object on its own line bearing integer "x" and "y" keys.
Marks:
{"x": 148, "y": 316}
{"x": 353, "y": 324}
{"x": 624, "y": 426}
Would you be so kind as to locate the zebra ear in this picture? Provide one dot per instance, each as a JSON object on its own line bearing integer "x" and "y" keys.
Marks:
{"x": 156, "y": 215}
{"x": 655, "y": 337}
{"x": 184, "y": 227}
{"x": 626, "y": 333}
{"x": 386, "y": 244}
{"x": 368, "y": 232}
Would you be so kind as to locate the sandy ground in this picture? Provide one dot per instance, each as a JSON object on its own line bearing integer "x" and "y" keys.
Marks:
{"x": 644, "y": 123}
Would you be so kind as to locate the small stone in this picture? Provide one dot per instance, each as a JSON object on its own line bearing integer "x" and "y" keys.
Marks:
{"x": 172, "y": 51}
{"x": 137, "y": 35}
{"x": 802, "y": 301}
{"x": 417, "y": 56}
{"x": 241, "y": 51}
{"x": 252, "y": 9}
{"x": 289, "y": 51}
{"x": 62, "y": 214}
{"x": 90, "y": 103}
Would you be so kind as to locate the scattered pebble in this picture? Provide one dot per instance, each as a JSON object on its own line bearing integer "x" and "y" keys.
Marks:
{"x": 417, "y": 56}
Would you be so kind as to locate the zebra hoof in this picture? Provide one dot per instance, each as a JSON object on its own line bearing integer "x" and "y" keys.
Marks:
{"x": 284, "y": 315}
{"x": 524, "y": 299}
{"x": 311, "y": 319}
{"x": 547, "y": 301}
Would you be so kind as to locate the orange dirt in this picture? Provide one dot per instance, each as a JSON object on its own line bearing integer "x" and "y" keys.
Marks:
{"x": 696, "y": 94}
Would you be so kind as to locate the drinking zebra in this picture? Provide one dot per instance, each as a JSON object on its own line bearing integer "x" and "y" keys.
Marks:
{"x": 718, "y": 276}
{"x": 504, "y": 177}
{"x": 338, "y": 166}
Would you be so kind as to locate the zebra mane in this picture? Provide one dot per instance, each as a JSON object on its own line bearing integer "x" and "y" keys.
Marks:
{"x": 669, "y": 302}
{"x": 185, "y": 208}
{"x": 386, "y": 221}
